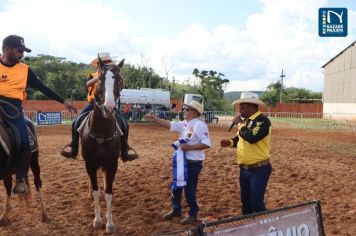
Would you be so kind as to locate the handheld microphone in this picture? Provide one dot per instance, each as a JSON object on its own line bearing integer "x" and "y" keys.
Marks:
{"x": 236, "y": 119}
{"x": 230, "y": 127}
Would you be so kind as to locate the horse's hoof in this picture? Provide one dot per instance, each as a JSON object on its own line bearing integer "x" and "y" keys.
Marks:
{"x": 45, "y": 218}
{"x": 97, "y": 223}
{"x": 110, "y": 229}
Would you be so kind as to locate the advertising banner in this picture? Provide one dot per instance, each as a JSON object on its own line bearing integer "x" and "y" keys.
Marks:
{"x": 49, "y": 118}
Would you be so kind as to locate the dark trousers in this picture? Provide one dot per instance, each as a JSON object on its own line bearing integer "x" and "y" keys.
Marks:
{"x": 87, "y": 108}
{"x": 194, "y": 169}
{"x": 253, "y": 183}
{"x": 22, "y": 162}
{"x": 75, "y": 125}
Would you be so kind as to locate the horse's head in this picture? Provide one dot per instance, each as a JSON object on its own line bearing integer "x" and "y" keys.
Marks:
{"x": 108, "y": 89}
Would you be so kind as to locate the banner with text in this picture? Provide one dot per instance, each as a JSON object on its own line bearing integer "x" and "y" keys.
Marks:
{"x": 299, "y": 220}
{"x": 49, "y": 118}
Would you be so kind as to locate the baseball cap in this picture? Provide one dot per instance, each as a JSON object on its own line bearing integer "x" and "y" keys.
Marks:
{"x": 14, "y": 41}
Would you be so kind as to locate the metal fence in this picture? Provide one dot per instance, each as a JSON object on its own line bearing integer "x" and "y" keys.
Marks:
{"x": 345, "y": 121}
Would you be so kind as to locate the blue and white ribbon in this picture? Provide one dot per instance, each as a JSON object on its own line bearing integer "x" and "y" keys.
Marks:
{"x": 180, "y": 169}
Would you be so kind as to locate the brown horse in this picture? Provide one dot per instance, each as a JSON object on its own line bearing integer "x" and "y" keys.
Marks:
{"x": 101, "y": 137}
{"x": 8, "y": 167}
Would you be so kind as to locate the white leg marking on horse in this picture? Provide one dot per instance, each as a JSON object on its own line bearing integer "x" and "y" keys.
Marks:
{"x": 7, "y": 208}
{"x": 43, "y": 207}
{"x": 110, "y": 227}
{"x": 97, "y": 220}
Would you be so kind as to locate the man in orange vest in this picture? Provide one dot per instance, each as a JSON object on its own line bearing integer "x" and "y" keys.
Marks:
{"x": 71, "y": 150}
{"x": 14, "y": 78}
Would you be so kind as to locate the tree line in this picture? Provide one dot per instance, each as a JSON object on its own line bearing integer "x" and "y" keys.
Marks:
{"x": 68, "y": 79}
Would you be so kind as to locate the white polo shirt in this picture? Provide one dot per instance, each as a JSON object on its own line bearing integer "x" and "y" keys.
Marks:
{"x": 195, "y": 131}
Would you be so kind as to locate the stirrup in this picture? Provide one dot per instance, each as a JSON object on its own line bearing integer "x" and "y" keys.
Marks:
{"x": 70, "y": 154}
{"x": 130, "y": 157}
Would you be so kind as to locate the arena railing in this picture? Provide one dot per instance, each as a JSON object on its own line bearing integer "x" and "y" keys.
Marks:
{"x": 224, "y": 118}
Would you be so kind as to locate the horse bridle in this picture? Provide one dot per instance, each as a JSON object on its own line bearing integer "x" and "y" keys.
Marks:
{"x": 2, "y": 111}
{"x": 98, "y": 98}
{"x": 99, "y": 102}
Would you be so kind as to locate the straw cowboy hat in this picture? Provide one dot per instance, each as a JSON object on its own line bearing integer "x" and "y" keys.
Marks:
{"x": 198, "y": 107}
{"x": 248, "y": 97}
{"x": 104, "y": 56}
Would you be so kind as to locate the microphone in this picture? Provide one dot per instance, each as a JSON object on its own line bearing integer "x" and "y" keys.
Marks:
{"x": 236, "y": 119}
{"x": 230, "y": 127}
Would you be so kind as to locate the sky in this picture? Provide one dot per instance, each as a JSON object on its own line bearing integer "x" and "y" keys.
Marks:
{"x": 247, "y": 41}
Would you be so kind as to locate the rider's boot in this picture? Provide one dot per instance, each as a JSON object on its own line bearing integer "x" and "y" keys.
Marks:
{"x": 71, "y": 150}
{"x": 125, "y": 156}
{"x": 23, "y": 165}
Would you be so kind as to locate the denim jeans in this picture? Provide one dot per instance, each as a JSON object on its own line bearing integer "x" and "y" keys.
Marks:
{"x": 253, "y": 183}
{"x": 87, "y": 108}
{"x": 194, "y": 169}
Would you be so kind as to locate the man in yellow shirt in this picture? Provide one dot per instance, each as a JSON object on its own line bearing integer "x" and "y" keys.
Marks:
{"x": 252, "y": 142}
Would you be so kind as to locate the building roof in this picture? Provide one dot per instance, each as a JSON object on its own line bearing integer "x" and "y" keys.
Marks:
{"x": 352, "y": 44}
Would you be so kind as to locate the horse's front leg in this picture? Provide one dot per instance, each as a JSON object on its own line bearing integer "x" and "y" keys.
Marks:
{"x": 7, "y": 207}
{"x": 97, "y": 223}
{"x": 109, "y": 179}
{"x": 35, "y": 167}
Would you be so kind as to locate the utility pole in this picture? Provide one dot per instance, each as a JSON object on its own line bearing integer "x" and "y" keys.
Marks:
{"x": 281, "y": 94}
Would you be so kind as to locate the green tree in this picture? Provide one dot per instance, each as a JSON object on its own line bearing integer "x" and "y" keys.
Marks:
{"x": 64, "y": 77}
{"x": 140, "y": 77}
{"x": 272, "y": 95}
{"x": 293, "y": 94}
{"x": 211, "y": 87}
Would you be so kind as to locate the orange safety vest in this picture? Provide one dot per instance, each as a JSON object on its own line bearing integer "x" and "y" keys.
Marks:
{"x": 92, "y": 88}
{"x": 13, "y": 81}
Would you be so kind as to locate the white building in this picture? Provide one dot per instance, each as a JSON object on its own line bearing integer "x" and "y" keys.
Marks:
{"x": 339, "y": 95}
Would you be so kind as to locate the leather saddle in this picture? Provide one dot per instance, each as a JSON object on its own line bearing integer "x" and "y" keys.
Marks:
{"x": 10, "y": 136}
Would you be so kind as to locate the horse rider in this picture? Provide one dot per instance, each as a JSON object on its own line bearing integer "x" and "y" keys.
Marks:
{"x": 15, "y": 77}
{"x": 71, "y": 150}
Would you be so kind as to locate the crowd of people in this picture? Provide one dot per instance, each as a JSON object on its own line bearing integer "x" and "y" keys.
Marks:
{"x": 136, "y": 112}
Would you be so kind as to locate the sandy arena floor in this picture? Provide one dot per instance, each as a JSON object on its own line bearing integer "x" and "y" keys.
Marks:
{"x": 307, "y": 165}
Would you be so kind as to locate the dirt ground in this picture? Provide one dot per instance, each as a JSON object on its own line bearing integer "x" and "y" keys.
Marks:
{"x": 307, "y": 165}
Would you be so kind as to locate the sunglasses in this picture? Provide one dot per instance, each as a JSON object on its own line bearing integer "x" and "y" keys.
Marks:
{"x": 187, "y": 109}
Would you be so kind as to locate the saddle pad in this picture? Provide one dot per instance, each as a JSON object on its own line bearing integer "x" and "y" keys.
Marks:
{"x": 81, "y": 127}
{"x": 85, "y": 121}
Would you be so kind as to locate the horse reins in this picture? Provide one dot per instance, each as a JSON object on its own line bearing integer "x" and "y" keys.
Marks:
{"x": 6, "y": 114}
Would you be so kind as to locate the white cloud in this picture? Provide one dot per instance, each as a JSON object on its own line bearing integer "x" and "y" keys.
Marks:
{"x": 283, "y": 34}
{"x": 72, "y": 29}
